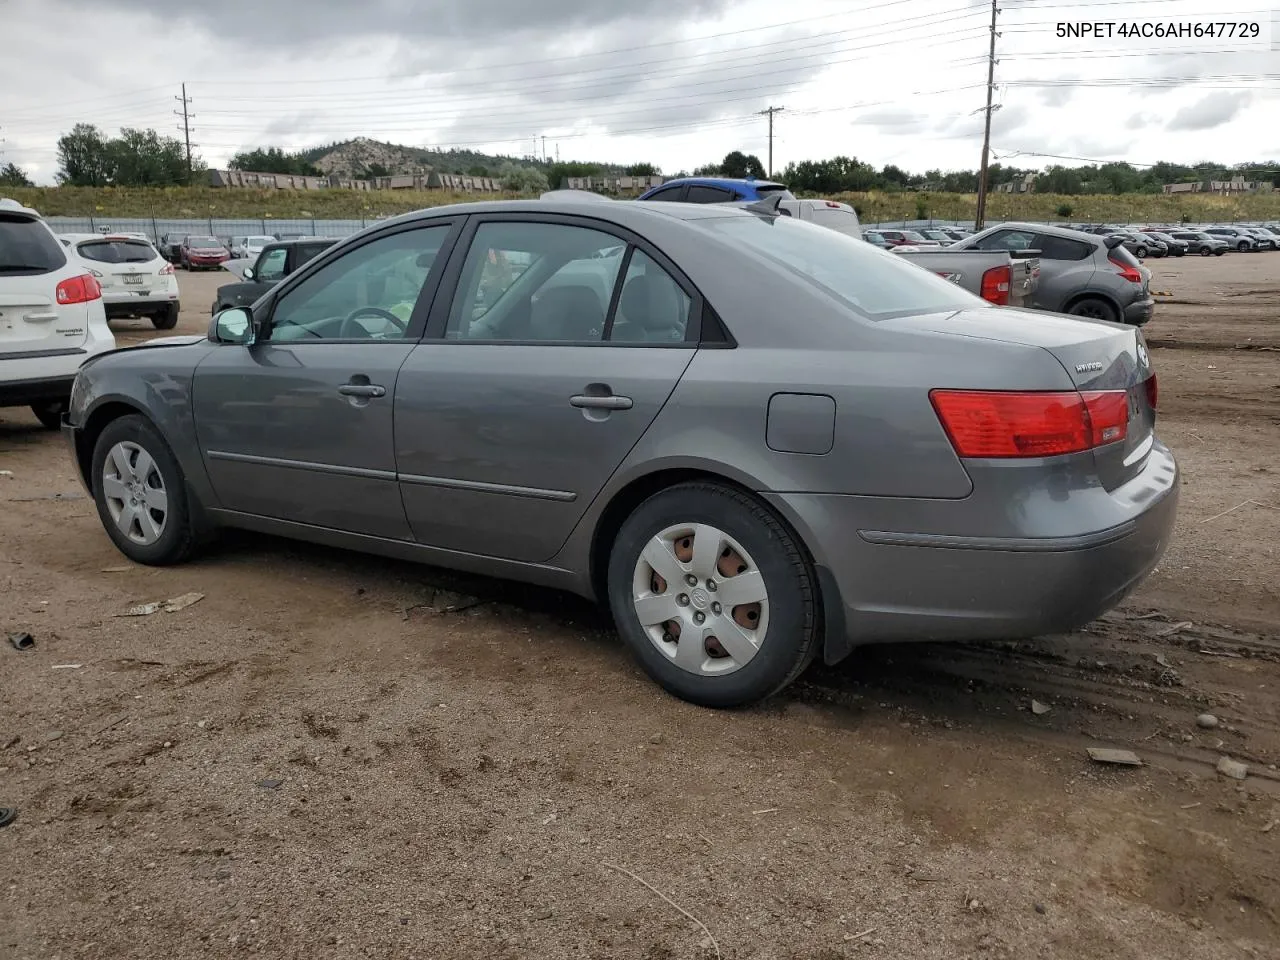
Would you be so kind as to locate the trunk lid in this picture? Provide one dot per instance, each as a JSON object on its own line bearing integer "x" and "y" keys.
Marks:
{"x": 1096, "y": 356}
{"x": 32, "y": 263}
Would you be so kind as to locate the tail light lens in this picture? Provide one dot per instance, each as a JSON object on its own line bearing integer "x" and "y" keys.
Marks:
{"x": 985, "y": 424}
{"x": 996, "y": 283}
{"x": 1153, "y": 391}
{"x": 1129, "y": 273}
{"x": 79, "y": 289}
{"x": 166, "y": 270}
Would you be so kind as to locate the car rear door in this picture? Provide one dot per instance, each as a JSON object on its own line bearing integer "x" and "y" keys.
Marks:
{"x": 551, "y": 349}
{"x": 32, "y": 323}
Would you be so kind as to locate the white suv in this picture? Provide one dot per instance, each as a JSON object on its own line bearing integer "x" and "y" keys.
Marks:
{"x": 136, "y": 281}
{"x": 51, "y": 315}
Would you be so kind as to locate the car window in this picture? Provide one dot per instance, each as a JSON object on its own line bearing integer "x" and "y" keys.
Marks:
{"x": 701, "y": 193}
{"x": 117, "y": 251}
{"x": 367, "y": 293}
{"x": 28, "y": 248}
{"x": 535, "y": 281}
{"x": 1060, "y": 248}
{"x": 871, "y": 281}
{"x": 669, "y": 193}
{"x": 1007, "y": 240}
{"x": 652, "y": 308}
{"x": 309, "y": 251}
{"x": 271, "y": 265}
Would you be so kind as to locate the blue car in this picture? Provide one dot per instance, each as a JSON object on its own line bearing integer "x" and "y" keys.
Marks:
{"x": 716, "y": 190}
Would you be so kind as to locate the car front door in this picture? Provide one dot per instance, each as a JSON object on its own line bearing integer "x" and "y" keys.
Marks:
{"x": 298, "y": 426}
{"x": 558, "y": 345}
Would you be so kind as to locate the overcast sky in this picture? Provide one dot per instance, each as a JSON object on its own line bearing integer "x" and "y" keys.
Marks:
{"x": 676, "y": 84}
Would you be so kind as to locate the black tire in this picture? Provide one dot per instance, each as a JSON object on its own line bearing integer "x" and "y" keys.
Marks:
{"x": 1095, "y": 309}
{"x": 1242, "y": 246}
{"x": 49, "y": 413}
{"x": 1218, "y": 253}
{"x": 178, "y": 538}
{"x": 1140, "y": 253}
{"x": 1180, "y": 252}
{"x": 793, "y": 634}
{"x": 1206, "y": 252}
{"x": 167, "y": 319}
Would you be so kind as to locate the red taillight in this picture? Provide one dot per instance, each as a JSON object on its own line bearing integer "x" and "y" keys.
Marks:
{"x": 989, "y": 424}
{"x": 833, "y": 205}
{"x": 1153, "y": 391}
{"x": 996, "y": 283}
{"x": 79, "y": 289}
{"x": 166, "y": 270}
{"x": 1129, "y": 273}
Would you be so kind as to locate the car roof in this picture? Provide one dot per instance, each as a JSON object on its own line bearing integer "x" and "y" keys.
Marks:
{"x": 724, "y": 182}
{"x": 1052, "y": 230}
{"x": 624, "y": 214}
{"x": 292, "y": 240}
{"x": 9, "y": 205}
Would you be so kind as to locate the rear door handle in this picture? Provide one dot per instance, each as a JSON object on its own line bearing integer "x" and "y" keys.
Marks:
{"x": 362, "y": 390}
{"x": 601, "y": 403}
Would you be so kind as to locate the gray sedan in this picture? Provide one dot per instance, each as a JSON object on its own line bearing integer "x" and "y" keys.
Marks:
{"x": 757, "y": 440}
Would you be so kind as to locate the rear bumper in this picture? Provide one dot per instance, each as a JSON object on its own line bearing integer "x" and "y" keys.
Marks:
{"x": 20, "y": 393}
{"x": 901, "y": 586}
{"x": 1140, "y": 311}
{"x": 124, "y": 306}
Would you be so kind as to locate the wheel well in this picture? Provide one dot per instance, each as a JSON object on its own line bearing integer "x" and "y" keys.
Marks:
{"x": 92, "y": 429}
{"x": 1066, "y": 307}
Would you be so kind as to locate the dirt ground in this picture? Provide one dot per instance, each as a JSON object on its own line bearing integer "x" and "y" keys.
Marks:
{"x": 338, "y": 756}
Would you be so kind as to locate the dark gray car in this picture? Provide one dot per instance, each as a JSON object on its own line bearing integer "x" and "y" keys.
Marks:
{"x": 1202, "y": 243}
{"x": 760, "y": 441}
{"x": 1084, "y": 274}
{"x": 276, "y": 261}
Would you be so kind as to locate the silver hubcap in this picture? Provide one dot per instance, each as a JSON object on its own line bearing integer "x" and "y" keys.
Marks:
{"x": 134, "y": 493}
{"x": 701, "y": 599}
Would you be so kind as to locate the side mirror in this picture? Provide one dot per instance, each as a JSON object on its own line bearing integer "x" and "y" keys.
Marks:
{"x": 248, "y": 273}
{"x": 232, "y": 326}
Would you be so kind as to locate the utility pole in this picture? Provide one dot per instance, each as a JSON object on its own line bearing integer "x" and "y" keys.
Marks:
{"x": 980, "y": 219}
{"x": 770, "y": 112}
{"x": 186, "y": 126}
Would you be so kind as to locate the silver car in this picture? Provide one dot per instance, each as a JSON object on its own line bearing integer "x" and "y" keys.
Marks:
{"x": 759, "y": 441}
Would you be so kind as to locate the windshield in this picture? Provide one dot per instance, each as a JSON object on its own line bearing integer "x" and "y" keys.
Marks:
{"x": 203, "y": 242}
{"x": 912, "y": 236}
{"x": 872, "y": 282}
{"x": 117, "y": 251}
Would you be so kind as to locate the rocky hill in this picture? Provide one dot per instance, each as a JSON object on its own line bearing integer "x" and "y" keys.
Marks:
{"x": 364, "y": 157}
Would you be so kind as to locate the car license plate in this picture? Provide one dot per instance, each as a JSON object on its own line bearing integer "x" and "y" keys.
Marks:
{"x": 133, "y": 279}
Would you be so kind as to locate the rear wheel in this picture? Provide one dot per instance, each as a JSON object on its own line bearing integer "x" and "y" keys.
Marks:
{"x": 1094, "y": 308}
{"x": 166, "y": 319}
{"x": 140, "y": 493}
{"x": 49, "y": 413}
{"x": 1242, "y": 246}
{"x": 713, "y": 595}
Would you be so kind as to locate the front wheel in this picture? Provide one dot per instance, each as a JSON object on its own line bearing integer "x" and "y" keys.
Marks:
{"x": 140, "y": 493}
{"x": 1242, "y": 246}
{"x": 714, "y": 596}
{"x": 1094, "y": 309}
{"x": 49, "y": 413}
{"x": 1205, "y": 252}
{"x": 1140, "y": 253}
{"x": 1219, "y": 252}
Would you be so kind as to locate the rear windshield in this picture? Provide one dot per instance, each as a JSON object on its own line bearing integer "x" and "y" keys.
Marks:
{"x": 871, "y": 281}
{"x": 765, "y": 190}
{"x": 27, "y": 248}
{"x": 117, "y": 251}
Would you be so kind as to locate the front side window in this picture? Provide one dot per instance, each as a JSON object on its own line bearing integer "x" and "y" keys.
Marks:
{"x": 535, "y": 281}
{"x": 669, "y": 194}
{"x": 871, "y": 281}
{"x": 367, "y": 294}
{"x": 271, "y": 265}
{"x": 1007, "y": 240}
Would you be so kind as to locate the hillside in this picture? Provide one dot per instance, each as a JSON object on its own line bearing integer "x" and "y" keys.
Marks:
{"x": 354, "y": 158}
{"x": 872, "y": 207}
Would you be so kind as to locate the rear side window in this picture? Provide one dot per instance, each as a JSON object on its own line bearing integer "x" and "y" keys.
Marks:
{"x": 1121, "y": 255}
{"x": 874, "y": 283}
{"x": 669, "y": 194}
{"x": 27, "y": 248}
{"x": 117, "y": 251}
{"x": 1060, "y": 248}
{"x": 700, "y": 193}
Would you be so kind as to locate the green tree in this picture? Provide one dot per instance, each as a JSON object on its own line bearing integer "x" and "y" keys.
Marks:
{"x": 11, "y": 175}
{"x": 478, "y": 170}
{"x": 641, "y": 170}
{"x": 274, "y": 160}
{"x": 559, "y": 173}
{"x": 84, "y": 159}
{"x": 1064, "y": 210}
{"x": 520, "y": 179}
{"x": 142, "y": 158}
{"x": 739, "y": 164}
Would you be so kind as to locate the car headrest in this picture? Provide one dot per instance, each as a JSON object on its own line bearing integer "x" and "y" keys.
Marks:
{"x": 653, "y": 304}
{"x": 567, "y": 313}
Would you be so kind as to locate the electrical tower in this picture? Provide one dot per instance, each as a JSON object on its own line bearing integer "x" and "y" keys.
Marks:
{"x": 980, "y": 219}
{"x": 186, "y": 126}
{"x": 769, "y": 113}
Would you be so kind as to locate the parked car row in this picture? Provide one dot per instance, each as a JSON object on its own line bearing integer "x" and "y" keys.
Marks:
{"x": 197, "y": 251}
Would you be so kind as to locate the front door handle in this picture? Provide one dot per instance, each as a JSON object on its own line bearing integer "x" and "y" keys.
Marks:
{"x": 601, "y": 403}
{"x": 367, "y": 390}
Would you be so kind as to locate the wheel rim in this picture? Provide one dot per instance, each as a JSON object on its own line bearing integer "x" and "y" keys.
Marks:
{"x": 701, "y": 599}
{"x": 134, "y": 493}
{"x": 1090, "y": 310}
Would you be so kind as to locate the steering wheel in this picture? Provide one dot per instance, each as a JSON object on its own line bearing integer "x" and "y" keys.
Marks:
{"x": 349, "y": 325}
